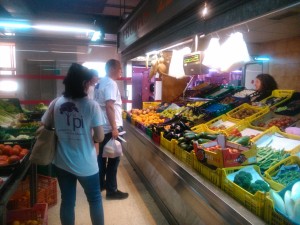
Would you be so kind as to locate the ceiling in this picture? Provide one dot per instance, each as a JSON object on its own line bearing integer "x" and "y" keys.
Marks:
{"x": 282, "y": 24}
{"x": 106, "y": 15}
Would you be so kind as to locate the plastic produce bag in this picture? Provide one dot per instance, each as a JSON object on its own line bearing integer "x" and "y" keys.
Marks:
{"x": 112, "y": 149}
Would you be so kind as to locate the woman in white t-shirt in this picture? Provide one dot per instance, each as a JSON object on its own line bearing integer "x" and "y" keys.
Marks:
{"x": 78, "y": 122}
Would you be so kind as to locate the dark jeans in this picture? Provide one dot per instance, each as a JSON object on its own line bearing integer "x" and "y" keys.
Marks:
{"x": 108, "y": 167}
{"x": 67, "y": 184}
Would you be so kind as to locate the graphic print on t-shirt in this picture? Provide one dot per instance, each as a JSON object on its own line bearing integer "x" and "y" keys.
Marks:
{"x": 69, "y": 109}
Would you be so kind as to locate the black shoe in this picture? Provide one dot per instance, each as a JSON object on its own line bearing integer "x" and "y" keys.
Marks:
{"x": 117, "y": 195}
{"x": 103, "y": 187}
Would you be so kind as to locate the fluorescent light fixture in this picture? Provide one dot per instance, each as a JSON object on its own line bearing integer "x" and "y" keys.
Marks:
{"x": 17, "y": 25}
{"x": 96, "y": 36}
{"x": 261, "y": 58}
{"x": 152, "y": 53}
{"x": 9, "y": 34}
{"x": 234, "y": 52}
{"x": 62, "y": 28}
{"x": 176, "y": 65}
{"x": 8, "y": 86}
{"x": 212, "y": 54}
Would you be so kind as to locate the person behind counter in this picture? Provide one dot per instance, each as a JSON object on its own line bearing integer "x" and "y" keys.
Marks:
{"x": 264, "y": 85}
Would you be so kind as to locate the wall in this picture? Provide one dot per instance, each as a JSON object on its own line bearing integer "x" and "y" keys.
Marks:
{"x": 32, "y": 57}
{"x": 285, "y": 62}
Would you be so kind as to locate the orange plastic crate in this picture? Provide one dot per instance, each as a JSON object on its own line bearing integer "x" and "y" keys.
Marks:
{"x": 50, "y": 185}
{"x": 46, "y": 193}
{"x": 38, "y": 212}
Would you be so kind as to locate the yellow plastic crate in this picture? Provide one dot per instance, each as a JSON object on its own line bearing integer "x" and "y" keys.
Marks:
{"x": 124, "y": 115}
{"x": 279, "y": 94}
{"x": 271, "y": 216}
{"x": 147, "y": 105}
{"x": 273, "y": 130}
{"x": 245, "y": 128}
{"x": 169, "y": 145}
{"x": 255, "y": 203}
{"x": 273, "y": 170}
{"x": 220, "y": 120}
{"x": 197, "y": 128}
{"x": 267, "y": 117}
{"x": 184, "y": 156}
{"x": 246, "y": 106}
{"x": 210, "y": 174}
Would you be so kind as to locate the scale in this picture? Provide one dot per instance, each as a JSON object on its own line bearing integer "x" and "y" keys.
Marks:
{"x": 192, "y": 64}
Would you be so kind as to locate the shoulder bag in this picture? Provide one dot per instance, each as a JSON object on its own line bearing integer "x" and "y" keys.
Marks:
{"x": 44, "y": 148}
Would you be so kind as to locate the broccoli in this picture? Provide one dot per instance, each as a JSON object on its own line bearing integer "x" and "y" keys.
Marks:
{"x": 243, "y": 179}
{"x": 259, "y": 185}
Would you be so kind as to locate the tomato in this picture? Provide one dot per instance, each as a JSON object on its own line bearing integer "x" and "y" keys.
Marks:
{"x": 25, "y": 150}
{"x": 13, "y": 159}
{"x": 17, "y": 146}
{"x": 3, "y": 157}
{"x": 3, "y": 163}
{"x": 6, "y": 149}
{"x": 15, "y": 151}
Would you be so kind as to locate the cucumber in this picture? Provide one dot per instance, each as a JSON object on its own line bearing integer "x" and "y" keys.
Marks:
{"x": 189, "y": 137}
{"x": 181, "y": 139}
{"x": 183, "y": 145}
{"x": 243, "y": 141}
{"x": 203, "y": 140}
{"x": 211, "y": 136}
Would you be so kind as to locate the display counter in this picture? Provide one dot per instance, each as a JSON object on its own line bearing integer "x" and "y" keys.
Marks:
{"x": 12, "y": 183}
{"x": 183, "y": 196}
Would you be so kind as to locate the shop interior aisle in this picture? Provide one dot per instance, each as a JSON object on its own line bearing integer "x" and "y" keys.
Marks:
{"x": 138, "y": 209}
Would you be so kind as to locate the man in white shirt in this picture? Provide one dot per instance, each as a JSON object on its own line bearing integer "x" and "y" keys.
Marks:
{"x": 108, "y": 96}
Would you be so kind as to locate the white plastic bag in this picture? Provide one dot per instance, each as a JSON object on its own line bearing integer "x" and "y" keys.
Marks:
{"x": 112, "y": 149}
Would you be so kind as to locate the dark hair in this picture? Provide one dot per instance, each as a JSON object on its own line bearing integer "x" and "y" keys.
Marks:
{"x": 74, "y": 82}
{"x": 111, "y": 63}
{"x": 268, "y": 83}
{"x": 94, "y": 72}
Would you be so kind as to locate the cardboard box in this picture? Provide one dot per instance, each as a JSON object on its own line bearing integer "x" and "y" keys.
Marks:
{"x": 231, "y": 155}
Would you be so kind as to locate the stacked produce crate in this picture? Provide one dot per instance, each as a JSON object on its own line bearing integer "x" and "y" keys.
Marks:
{"x": 255, "y": 142}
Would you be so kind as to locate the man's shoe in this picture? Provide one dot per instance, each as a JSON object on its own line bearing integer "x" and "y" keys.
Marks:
{"x": 117, "y": 195}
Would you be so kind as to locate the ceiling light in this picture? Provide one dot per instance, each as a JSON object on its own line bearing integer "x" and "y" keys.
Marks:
{"x": 17, "y": 25}
{"x": 63, "y": 28}
{"x": 96, "y": 36}
{"x": 9, "y": 34}
{"x": 261, "y": 58}
{"x": 212, "y": 54}
{"x": 205, "y": 10}
{"x": 234, "y": 52}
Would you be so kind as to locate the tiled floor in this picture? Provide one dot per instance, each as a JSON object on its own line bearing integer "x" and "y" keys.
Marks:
{"x": 138, "y": 209}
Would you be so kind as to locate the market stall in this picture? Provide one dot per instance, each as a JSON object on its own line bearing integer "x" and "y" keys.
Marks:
{"x": 214, "y": 106}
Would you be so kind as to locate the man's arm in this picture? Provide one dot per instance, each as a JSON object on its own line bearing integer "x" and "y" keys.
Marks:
{"x": 110, "y": 111}
{"x": 98, "y": 134}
